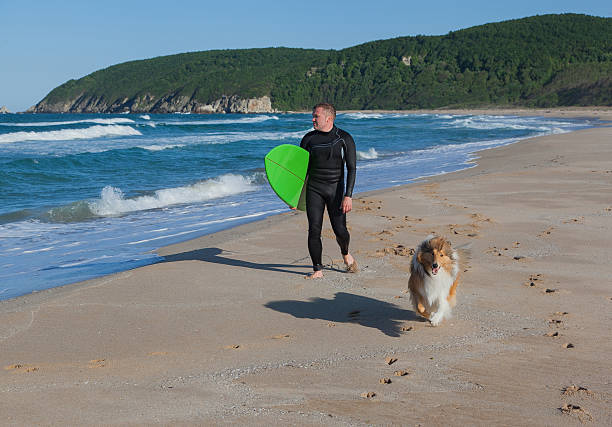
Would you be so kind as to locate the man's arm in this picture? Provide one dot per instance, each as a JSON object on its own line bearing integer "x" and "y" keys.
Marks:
{"x": 350, "y": 157}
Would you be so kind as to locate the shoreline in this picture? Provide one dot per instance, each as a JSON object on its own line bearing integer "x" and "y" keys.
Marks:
{"x": 599, "y": 113}
{"x": 226, "y": 330}
{"x": 603, "y": 113}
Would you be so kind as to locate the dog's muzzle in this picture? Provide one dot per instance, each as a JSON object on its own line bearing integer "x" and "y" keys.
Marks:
{"x": 435, "y": 268}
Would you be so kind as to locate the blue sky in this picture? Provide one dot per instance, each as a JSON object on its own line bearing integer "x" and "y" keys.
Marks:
{"x": 45, "y": 43}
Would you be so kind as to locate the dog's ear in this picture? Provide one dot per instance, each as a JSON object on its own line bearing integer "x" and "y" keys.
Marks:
{"x": 446, "y": 246}
{"x": 442, "y": 244}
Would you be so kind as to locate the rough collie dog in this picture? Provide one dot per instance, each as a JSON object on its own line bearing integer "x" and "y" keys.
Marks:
{"x": 434, "y": 275}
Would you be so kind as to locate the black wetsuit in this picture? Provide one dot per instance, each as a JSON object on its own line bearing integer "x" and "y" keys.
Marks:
{"x": 329, "y": 152}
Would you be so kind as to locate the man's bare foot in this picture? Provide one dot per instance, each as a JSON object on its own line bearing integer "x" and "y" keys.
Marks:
{"x": 315, "y": 275}
{"x": 348, "y": 259}
{"x": 351, "y": 264}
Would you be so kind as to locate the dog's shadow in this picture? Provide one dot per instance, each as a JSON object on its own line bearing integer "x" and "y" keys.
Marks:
{"x": 349, "y": 308}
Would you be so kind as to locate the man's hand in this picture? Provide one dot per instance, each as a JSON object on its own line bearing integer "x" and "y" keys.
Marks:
{"x": 347, "y": 204}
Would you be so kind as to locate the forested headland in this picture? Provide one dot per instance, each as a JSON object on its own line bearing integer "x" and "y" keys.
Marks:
{"x": 539, "y": 61}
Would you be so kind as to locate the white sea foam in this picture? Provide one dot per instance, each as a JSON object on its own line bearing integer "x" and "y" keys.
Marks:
{"x": 506, "y": 122}
{"x": 113, "y": 202}
{"x": 145, "y": 117}
{"x": 256, "y": 119}
{"x": 113, "y": 121}
{"x": 97, "y": 131}
{"x": 371, "y": 154}
{"x": 160, "y": 147}
{"x": 360, "y": 116}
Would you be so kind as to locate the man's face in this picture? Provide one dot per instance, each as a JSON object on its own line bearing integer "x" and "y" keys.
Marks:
{"x": 321, "y": 120}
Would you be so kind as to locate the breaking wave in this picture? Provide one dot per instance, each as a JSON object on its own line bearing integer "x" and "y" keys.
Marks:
{"x": 97, "y": 131}
{"x": 114, "y": 121}
{"x": 244, "y": 120}
{"x": 371, "y": 154}
{"x": 113, "y": 202}
{"x": 360, "y": 116}
{"x": 501, "y": 122}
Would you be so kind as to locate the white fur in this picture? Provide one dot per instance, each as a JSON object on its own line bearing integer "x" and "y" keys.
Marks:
{"x": 436, "y": 287}
{"x": 436, "y": 290}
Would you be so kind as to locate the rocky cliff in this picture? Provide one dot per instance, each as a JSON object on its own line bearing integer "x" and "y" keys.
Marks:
{"x": 149, "y": 104}
{"x": 4, "y": 110}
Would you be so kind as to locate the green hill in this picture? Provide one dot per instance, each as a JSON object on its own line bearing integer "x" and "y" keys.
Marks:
{"x": 543, "y": 61}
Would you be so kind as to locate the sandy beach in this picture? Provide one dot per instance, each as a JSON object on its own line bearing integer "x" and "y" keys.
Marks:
{"x": 227, "y": 331}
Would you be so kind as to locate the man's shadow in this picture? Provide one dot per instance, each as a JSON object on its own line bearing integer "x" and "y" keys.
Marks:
{"x": 349, "y": 308}
{"x": 214, "y": 255}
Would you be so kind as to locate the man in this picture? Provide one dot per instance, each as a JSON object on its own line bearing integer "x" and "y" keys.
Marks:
{"x": 330, "y": 149}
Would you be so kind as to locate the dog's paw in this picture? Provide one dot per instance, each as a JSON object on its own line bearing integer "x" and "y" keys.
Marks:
{"x": 435, "y": 319}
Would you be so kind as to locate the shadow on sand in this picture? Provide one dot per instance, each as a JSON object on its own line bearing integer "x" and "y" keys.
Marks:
{"x": 214, "y": 255}
{"x": 349, "y": 308}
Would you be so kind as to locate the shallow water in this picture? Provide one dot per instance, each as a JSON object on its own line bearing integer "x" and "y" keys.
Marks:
{"x": 86, "y": 195}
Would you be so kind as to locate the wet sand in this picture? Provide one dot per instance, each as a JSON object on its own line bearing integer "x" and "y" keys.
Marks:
{"x": 227, "y": 331}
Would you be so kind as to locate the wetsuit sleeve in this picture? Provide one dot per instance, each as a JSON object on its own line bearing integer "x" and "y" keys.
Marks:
{"x": 350, "y": 157}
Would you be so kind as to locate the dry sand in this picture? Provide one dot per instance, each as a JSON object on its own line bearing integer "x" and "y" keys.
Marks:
{"x": 226, "y": 331}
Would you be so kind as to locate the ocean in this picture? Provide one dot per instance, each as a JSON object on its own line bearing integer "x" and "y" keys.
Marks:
{"x": 83, "y": 196}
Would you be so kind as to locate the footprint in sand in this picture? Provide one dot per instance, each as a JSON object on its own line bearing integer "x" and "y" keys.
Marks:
{"x": 97, "y": 363}
{"x": 533, "y": 280}
{"x": 369, "y": 205}
{"x": 480, "y": 218}
{"x": 368, "y": 394}
{"x": 576, "y": 410}
{"x": 401, "y": 373}
{"x": 390, "y": 360}
{"x": 494, "y": 250}
{"x": 232, "y": 347}
{"x": 546, "y": 232}
{"x": 398, "y": 250}
{"x": 578, "y": 220}
{"x": 380, "y": 236}
{"x": 469, "y": 230}
{"x": 385, "y": 381}
{"x": 406, "y": 328}
{"x": 568, "y": 345}
{"x": 281, "y": 336}
{"x": 19, "y": 367}
{"x": 553, "y": 334}
{"x": 577, "y": 390}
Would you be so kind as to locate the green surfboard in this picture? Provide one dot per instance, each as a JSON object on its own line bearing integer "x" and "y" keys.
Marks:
{"x": 286, "y": 168}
